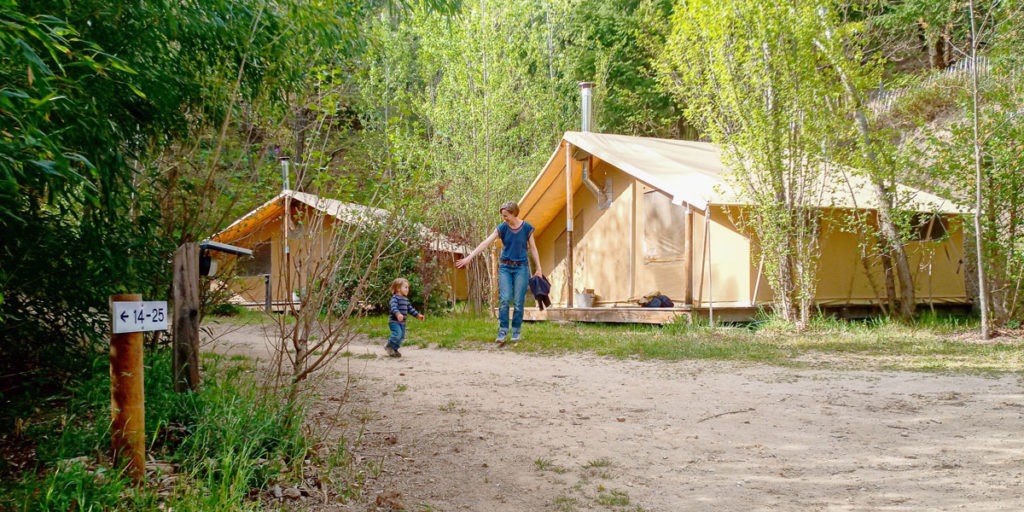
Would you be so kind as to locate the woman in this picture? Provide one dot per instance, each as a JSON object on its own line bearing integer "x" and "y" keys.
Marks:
{"x": 514, "y": 271}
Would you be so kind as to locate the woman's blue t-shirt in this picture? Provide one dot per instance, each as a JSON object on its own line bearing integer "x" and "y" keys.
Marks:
{"x": 516, "y": 242}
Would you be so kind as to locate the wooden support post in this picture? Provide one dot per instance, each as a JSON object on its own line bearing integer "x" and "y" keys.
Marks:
{"x": 569, "y": 263}
{"x": 127, "y": 396}
{"x": 494, "y": 298}
{"x": 185, "y": 360}
{"x": 688, "y": 256}
{"x": 267, "y": 294}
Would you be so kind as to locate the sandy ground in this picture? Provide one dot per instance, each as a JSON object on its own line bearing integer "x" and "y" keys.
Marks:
{"x": 496, "y": 430}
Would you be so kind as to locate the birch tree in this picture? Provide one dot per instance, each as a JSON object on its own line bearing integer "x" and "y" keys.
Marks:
{"x": 875, "y": 156}
{"x": 979, "y": 155}
{"x": 751, "y": 78}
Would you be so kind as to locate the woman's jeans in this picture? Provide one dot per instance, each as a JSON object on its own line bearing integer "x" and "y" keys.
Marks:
{"x": 512, "y": 283}
{"x": 397, "y": 334}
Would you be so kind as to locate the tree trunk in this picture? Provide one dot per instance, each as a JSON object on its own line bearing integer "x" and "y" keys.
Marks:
{"x": 983, "y": 291}
{"x": 787, "y": 304}
{"x": 890, "y": 282}
{"x": 937, "y": 52}
{"x": 893, "y": 249}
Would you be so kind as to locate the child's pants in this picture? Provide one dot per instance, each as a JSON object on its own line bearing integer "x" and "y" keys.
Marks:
{"x": 397, "y": 334}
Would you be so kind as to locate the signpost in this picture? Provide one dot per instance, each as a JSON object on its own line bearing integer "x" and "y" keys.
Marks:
{"x": 130, "y": 317}
{"x": 140, "y": 316}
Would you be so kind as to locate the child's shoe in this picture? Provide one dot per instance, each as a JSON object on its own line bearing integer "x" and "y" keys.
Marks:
{"x": 502, "y": 334}
{"x": 391, "y": 351}
{"x": 515, "y": 335}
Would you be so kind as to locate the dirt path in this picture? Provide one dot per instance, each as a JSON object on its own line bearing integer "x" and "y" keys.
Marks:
{"x": 494, "y": 430}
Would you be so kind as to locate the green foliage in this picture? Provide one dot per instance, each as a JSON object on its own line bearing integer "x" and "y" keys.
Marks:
{"x": 108, "y": 163}
{"x": 227, "y": 439}
{"x": 58, "y": 272}
{"x": 1002, "y": 220}
{"x": 753, "y": 78}
{"x": 405, "y": 254}
{"x": 62, "y": 184}
{"x": 75, "y": 487}
{"x": 942, "y": 27}
{"x": 39, "y": 87}
{"x": 614, "y": 44}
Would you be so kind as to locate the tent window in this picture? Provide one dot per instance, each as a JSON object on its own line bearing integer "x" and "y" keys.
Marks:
{"x": 260, "y": 262}
{"x": 663, "y": 227}
{"x": 928, "y": 227}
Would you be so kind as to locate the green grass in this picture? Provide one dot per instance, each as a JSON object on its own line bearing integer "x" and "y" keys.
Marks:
{"x": 931, "y": 343}
{"x": 543, "y": 464}
{"x": 613, "y": 498}
{"x": 565, "y": 504}
{"x": 226, "y": 442}
{"x": 237, "y": 315}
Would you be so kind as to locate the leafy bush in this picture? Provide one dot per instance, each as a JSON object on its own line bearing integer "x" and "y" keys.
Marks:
{"x": 53, "y": 319}
{"x": 227, "y": 439}
{"x": 404, "y": 255}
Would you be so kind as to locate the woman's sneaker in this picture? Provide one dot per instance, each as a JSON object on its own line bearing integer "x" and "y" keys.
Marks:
{"x": 515, "y": 335}
{"x": 502, "y": 334}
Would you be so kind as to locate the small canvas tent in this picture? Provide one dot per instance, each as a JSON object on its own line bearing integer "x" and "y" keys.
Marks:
{"x": 659, "y": 215}
{"x": 311, "y": 229}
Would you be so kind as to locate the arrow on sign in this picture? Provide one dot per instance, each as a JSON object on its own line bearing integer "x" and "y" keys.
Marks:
{"x": 124, "y": 316}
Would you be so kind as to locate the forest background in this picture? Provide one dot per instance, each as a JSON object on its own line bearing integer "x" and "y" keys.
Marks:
{"x": 130, "y": 128}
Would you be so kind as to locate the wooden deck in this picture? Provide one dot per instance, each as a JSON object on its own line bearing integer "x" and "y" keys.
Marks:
{"x": 627, "y": 315}
{"x": 638, "y": 315}
{"x": 731, "y": 314}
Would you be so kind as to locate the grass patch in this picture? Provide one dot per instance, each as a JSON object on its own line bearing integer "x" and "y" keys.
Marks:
{"x": 931, "y": 343}
{"x": 451, "y": 407}
{"x": 224, "y": 444}
{"x": 564, "y": 504}
{"x": 613, "y": 498}
{"x": 543, "y": 464}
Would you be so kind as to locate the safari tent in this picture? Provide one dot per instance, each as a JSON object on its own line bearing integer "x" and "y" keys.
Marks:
{"x": 310, "y": 224}
{"x": 656, "y": 215}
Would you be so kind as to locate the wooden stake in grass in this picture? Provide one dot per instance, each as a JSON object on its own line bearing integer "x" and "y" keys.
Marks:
{"x": 127, "y": 397}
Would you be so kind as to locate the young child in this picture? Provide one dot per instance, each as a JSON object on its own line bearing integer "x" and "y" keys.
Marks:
{"x": 400, "y": 309}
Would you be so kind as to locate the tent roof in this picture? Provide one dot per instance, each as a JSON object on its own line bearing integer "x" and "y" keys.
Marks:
{"x": 689, "y": 172}
{"x": 346, "y": 212}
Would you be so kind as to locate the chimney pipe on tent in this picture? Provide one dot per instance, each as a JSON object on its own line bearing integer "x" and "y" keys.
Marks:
{"x": 284, "y": 173}
{"x": 586, "y": 98}
{"x": 604, "y": 199}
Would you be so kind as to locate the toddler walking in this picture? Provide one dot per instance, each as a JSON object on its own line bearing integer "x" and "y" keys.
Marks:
{"x": 400, "y": 309}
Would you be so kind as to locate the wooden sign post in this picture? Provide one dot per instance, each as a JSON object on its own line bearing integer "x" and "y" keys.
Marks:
{"x": 127, "y": 394}
{"x": 186, "y": 318}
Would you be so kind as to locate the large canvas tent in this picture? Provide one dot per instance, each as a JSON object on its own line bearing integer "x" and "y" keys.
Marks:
{"x": 310, "y": 224}
{"x": 658, "y": 215}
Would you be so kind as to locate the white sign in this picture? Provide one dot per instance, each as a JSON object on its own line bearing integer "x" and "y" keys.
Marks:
{"x": 150, "y": 315}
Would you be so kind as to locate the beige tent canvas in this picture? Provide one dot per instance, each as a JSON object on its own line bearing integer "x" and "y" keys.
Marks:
{"x": 659, "y": 215}
{"x": 311, "y": 228}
